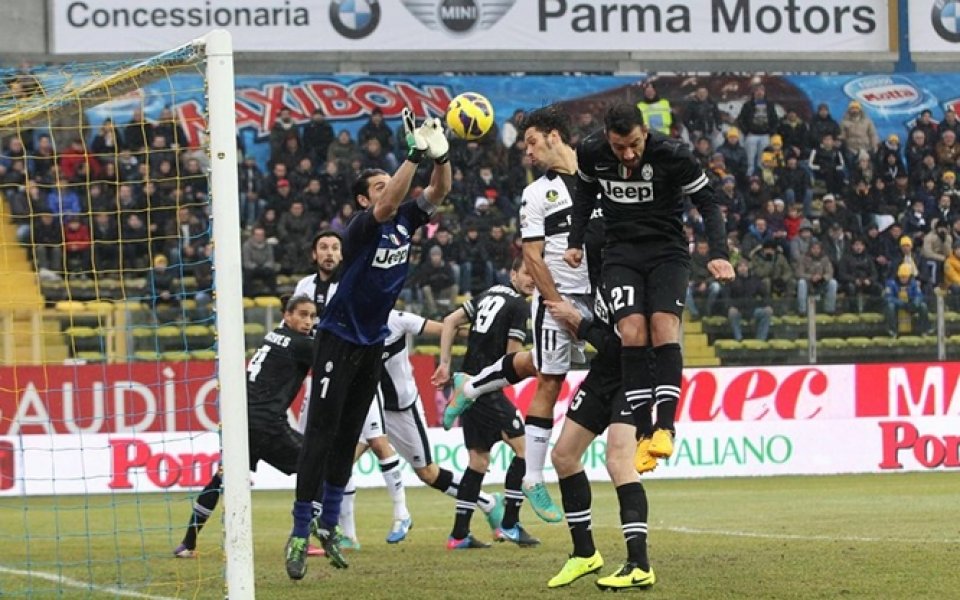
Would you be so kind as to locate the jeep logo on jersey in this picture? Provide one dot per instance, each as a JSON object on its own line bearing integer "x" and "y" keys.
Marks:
{"x": 552, "y": 195}
{"x": 628, "y": 192}
{"x": 387, "y": 258}
{"x": 458, "y": 16}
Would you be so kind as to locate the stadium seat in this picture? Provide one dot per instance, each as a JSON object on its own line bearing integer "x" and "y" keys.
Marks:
{"x": 783, "y": 345}
{"x": 871, "y": 318}
{"x": 91, "y": 357}
{"x": 175, "y": 356}
{"x": 248, "y": 303}
{"x": 144, "y": 339}
{"x": 53, "y": 290}
{"x": 913, "y": 341}
{"x": 203, "y": 354}
{"x": 859, "y": 342}
{"x": 109, "y": 289}
{"x": 847, "y": 319}
{"x": 83, "y": 339}
{"x": 169, "y": 338}
{"x": 198, "y": 337}
{"x": 430, "y": 349}
{"x": 832, "y": 343}
{"x": 458, "y": 350}
{"x": 253, "y": 334}
{"x": 723, "y": 345}
{"x": 146, "y": 356}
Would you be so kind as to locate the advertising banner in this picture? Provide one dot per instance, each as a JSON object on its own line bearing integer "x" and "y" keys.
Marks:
{"x": 88, "y": 434}
{"x": 791, "y": 28}
{"x": 934, "y": 25}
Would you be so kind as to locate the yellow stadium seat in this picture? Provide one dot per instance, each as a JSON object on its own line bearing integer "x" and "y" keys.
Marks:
{"x": 458, "y": 350}
{"x": 91, "y": 357}
{"x": 146, "y": 356}
{"x": 755, "y": 345}
{"x": 267, "y": 302}
{"x": 727, "y": 345}
{"x": 203, "y": 354}
{"x": 69, "y": 306}
{"x": 429, "y": 349}
{"x": 782, "y": 344}
{"x": 176, "y": 356}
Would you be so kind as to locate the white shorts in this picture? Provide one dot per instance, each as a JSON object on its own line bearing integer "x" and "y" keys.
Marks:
{"x": 555, "y": 348}
{"x": 408, "y": 434}
{"x": 373, "y": 427}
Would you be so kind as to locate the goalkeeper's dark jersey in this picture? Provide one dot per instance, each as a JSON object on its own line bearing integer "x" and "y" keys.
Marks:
{"x": 497, "y": 316}
{"x": 645, "y": 204}
{"x": 275, "y": 374}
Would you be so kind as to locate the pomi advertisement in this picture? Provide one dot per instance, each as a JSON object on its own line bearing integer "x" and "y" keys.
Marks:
{"x": 92, "y": 429}
{"x": 790, "y": 28}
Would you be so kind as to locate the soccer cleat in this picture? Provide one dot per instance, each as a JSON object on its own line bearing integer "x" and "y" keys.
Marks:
{"x": 458, "y": 401}
{"x": 541, "y": 502}
{"x": 642, "y": 459}
{"x": 315, "y": 550}
{"x": 661, "y": 444}
{"x": 330, "y": 541}
{"x": 467, "y": 543}
{"x": 575, "y": 568}
{"x": 629, "y": 576}
{"x": 518, "y": 535}
{"x": 495, "y": 516}
{"x": 398, "y": 532}
{"x": 296, "y": 554}
{"x": 349, "y": 544}
{"x": 183, "y": 552}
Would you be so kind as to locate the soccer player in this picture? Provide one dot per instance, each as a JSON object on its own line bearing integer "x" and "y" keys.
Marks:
{"x": 406, "y": 425}
{"x": 642, "y": 178}
{"x": 327, "y": 252}
{"x": 498, "y": 319}
{"x": 348, "y": 359}
{"x": 598, "y": 404}
{"x": 274, "y": 376}
{"x": 545, "y": 217}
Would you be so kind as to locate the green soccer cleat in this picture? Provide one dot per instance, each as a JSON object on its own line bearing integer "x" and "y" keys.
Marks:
{"x": 542, "y": 504}
{"x": 296, "y": 556}
{"x": 629, "y": 576}
{"x": 575, "y": 568}
{"x": 349, "y": 544}
{"x": 330, "y": 542}
{"x": 495, "y": 516}
{"x": 518, "y": 535}
{"x": 459, "y": 403}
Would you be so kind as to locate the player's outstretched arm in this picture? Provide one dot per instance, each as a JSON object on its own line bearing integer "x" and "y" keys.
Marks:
{"x": 448, "y": 333}
{"x": 588, "y": 190}
{"x": 438, "y": 148}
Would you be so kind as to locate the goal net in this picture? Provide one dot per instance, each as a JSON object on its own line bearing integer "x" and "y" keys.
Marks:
{"x": 121, "y": 327}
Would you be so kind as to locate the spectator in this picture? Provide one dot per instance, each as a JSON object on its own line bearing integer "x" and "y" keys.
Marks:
{"x": 511, "y": 128}
{"x": 498, "y": 249}
{"x": 815, "y": 273}
{"x": 918, "y": 147}
{"x": 270, "y": 221}
{"x": 259, "y": 267}
{"x": 702, "y": 151}
{"x": 951, "y": 275}
{"x": 793, "y": 221}
{"x": 520, "y": 176}
{"x": 295, "y": 230}
{"x": 135, "y": 249}
{"x": 138, "y": 132}
{"x": 76, "y": 242}
{"x": 443, "y": 239}
{"x": 335, "y": 184}
{"x": 343, "y": 150}
{"x": 702, "y": 284}
{"x": 947, "y": 150}
{"x": 702, "y": 117}
{"x": 858, "y": 276}
{"x": 821, "y": 125}
{"x": 828, "y": 166}
{"x": 283, "y": 198}
{"x": 301, "y": 174}
{"x": 928, "y": 126}
{"x": 945, "y": 211}
{"x": 317, "y": 136}
{"x": 927, "y": 169}
{"x": 657, "y": 112}
{"x": 375, "y": 127}
{"x": 800, "y": 245}
{"x": 795, "y": 134}
{"x": 162, "y": 292}
{"x": 64, "y": 200}
{"x": 936, "y": 248}
{"x": 858, "y": 132}
{"x": 105, "y": 240}
{"x": 46, "y": 241}
{"x": 836, "y": 212}
{"x": 864, "y": 169}
{"x": 770, "y": 265}
{"x": 748, "y": 297}
{"x": 283, "y": 126}
{"x": 437, "y": 285}
{"x": 758, "y": 120}
{"x": 890, "y": 147}
{"x": 476, "y": 270}
{"x": 290, "y": 153}
{"x": 950, "y": 123}
{"x": 728, "y": 195}
{"x": 948, "y": 187}
{"x": 835, "y": 246}
{"x": 757, "y": 234}
{"x": 794, "y": 185}
{"x": 903, "y": 293}
{"x": 168, "y": 125}
{"x": 734, "y": 156}
{"x": 915, "y": 220}
{"x": 340, "y": 221}
{"x": 372, "y": 156}
{"x": 908, "y": 255}
{"x": 107, "y": 143}
{"x": 317, "y": 202}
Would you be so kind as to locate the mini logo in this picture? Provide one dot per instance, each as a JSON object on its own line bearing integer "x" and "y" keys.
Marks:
{"x": 355, "y": 19}
{"x": 646, "y": 172}
{"x": 8, "y": 470}
{"x": 458, "y": 17}
{"x": 946, "y": 19}
{"x": 552, "y": 195}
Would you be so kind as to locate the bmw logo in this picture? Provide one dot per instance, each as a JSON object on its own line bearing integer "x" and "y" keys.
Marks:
{"x": 946, "y": 19}
{"x": 355, "y": 19}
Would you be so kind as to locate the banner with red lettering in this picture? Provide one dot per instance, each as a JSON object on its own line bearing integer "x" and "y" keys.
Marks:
{"x": 143, "y": 427}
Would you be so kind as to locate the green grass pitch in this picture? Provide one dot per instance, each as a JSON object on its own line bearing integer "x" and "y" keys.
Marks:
{"x": 857, "y": 536}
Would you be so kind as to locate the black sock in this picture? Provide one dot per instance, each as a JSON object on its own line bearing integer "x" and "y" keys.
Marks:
{"x": 576, "y": 497}
{"x": 669, "y": 361}
{"x": 513, "y": 492}
{"x": 637, "y": 376}
{"x": 633, "y": 522}
{"x": 643, "y": 419}
{"x": 443, "y": 481}
{"x": 203, "y": 507}
{"x": 467, "y": 495}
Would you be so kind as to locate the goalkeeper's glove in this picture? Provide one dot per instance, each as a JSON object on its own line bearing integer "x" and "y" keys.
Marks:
{"x": 438, "y": 148}
{"x": 416, "y": 141}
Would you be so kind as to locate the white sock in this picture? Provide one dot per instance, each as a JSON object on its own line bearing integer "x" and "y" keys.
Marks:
{"x": 489, "y": 379}
{"x": 347, "y": 521}
{"x": 537, "y": 440}
{"x": 393, "y": 478}
{"x": 485, "y": 501}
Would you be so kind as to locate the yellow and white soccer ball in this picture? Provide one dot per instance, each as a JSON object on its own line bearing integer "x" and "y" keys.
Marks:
{"x": 470, "y": 115}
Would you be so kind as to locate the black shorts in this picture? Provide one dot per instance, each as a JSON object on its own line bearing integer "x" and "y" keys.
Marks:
{"x": 599, "y": 401}
{"x": 489, "y": 417}
{"x": 645, "y": 279}
{"x": 277, "y": 445}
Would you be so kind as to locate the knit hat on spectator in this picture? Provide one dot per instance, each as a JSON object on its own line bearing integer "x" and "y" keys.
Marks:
{"x": 906, "y": 241}
{"x": 481, "y": 201}
{"x": 854, "y": 105}
{"x": 283, "y": 183}
{"x": 949, "y": 175}
{"x": 436, "y": 250}
{"x": 829, "y": 198}
{"x": 728, "y": 179}
{"x": 893, "y": 138}
{"x": 160, "y": 261}
{"x": 776, "y": 140}
{"x": 806, "y": 224}
{"x": 904, "y": 270}
{"x": 733, "y": 132}
{"x": 779, "y": 202}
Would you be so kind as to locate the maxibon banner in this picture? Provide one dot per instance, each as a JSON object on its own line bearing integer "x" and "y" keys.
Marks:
{"x": 95, "y": 429}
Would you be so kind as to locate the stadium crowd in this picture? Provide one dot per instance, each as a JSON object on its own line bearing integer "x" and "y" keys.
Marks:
{"x": 822, "y": 208}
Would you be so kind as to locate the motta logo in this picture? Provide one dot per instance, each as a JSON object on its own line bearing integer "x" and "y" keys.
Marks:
{"x": 930, "y": 451}
{"x": 458, "y": 17}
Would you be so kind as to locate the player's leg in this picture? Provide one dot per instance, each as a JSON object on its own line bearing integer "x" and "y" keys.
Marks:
{"x": 374, "y": 434}
{"x": 512, "y": 433}
{"x": 203, "y": 507}
{"x": 507, "y": 370}
{"x": 636, "y": 571}
{"x": 671, "y": 277}
{"x": 481, "y": 431}
{"x": 347, "y": 521}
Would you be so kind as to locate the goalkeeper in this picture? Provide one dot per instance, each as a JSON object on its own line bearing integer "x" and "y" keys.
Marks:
{"x": 274, "y": 377}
